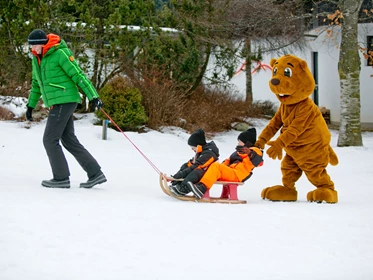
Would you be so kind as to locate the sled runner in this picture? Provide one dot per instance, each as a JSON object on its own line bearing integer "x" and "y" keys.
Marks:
{"x": 228, "y": 194}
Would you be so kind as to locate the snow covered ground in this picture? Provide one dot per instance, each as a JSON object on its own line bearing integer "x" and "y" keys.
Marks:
{"x": 128, "y": 229}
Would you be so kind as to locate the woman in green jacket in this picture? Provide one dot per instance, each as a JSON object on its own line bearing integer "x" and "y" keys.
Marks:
{"x": 56, "y": 77}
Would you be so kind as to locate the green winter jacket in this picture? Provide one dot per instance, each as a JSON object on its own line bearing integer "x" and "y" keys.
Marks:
{"x": 56, "y": 76}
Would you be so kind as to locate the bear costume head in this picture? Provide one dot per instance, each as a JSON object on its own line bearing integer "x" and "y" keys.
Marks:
{"x": 292, "y": 80}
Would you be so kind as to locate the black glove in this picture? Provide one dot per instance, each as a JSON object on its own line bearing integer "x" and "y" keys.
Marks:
{"x": 243, "y": 150}
{"x": 97, "y": 104}
{"x": 178, "y": 175}
{"x": 29, "y": 114}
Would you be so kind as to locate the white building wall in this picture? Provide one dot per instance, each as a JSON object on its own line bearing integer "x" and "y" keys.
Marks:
{"x": 366, "y": 78}
{"x": 328, "y": 77}
{"x": 328, "y": 85}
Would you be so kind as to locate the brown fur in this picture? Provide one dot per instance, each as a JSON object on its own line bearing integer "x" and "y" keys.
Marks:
{"x": 304, "y": 135}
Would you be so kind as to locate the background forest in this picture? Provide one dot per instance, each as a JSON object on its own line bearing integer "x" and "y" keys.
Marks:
{"x": 151, "y": 61}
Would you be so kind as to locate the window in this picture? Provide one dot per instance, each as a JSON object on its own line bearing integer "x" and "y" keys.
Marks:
{"x": 370, "y": 50}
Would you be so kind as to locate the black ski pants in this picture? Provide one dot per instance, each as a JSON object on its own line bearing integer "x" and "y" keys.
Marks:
{"x": 60, "y": 127}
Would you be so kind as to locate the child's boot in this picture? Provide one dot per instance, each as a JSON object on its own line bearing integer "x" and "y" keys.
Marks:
{"x": 198, "y": 189}
{"x": 179, "y": 189}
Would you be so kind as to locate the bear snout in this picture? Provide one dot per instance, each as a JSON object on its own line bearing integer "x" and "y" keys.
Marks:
{"x": 275, "y": 82}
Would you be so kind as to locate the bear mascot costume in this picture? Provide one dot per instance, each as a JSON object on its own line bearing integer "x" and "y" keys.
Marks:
{"x": 304, "y": 135}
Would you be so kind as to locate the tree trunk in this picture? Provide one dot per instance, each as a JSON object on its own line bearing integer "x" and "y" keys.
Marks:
{"x": 249, "y": 78}
{"x": 349, "y": 74}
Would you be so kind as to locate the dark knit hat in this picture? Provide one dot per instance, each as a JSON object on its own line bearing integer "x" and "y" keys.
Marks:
{"x": 248, "y": 136}
{"x": 37, "y": 37}
{"x": 197, "y": 138}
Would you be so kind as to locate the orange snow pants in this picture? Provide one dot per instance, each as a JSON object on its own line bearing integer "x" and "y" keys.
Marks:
{"x": 219, "y": 172}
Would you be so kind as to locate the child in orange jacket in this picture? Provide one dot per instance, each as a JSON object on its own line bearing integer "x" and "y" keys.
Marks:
{"x": 237, "y": 168}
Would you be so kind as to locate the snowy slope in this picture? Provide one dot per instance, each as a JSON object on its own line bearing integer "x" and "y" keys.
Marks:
{"x": 128, "y": 229}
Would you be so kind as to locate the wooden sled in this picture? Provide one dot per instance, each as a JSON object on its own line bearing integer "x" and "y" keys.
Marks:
{"x": 228, "y": 194}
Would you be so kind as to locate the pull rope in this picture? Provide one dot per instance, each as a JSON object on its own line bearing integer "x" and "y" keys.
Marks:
{"x": 148, "y": 160}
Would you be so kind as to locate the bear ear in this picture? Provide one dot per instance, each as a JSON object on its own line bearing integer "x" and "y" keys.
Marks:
{"x": 273, "y": 60}
{"x": 303, "y": 65}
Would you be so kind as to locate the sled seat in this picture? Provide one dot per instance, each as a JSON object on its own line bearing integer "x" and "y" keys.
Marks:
{"x": 229, "y": 190}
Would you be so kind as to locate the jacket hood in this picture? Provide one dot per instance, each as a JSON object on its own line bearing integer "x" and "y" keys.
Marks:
{"x": 211, "y": 146}
{"x": 53, "y": 40}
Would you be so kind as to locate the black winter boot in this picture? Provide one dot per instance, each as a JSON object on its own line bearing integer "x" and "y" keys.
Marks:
{"x": 198, "y": 189}
{"x": 99, "y": 178}
{"x": 179, "y": 189}
{"x": 53, "y": 183}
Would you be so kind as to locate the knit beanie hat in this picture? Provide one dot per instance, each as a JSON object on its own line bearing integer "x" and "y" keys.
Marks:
{"x": 248, "y": 136}
{"x": 37, "y": 37}
{"x": 197, "y": 138}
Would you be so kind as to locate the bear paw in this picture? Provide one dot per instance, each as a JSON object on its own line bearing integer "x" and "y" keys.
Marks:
{"x": 279, "y": 193}
{"x": 323, "y": 194}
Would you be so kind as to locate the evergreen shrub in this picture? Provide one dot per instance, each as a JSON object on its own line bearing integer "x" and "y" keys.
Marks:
{"x": 122, "y": 102}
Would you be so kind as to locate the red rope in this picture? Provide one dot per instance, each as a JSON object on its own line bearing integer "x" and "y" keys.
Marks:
{"x": 148, "y": 160}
